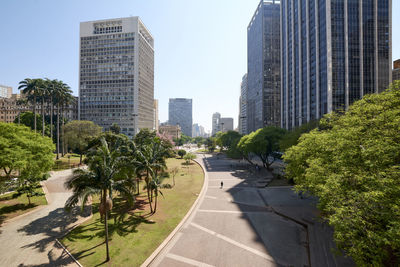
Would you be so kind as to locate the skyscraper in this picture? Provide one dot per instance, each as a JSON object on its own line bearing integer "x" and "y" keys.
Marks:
{"x": 180, "y": 112}
{"x": 226, "y": 124}
{"x": 5, "y": 91}
{"x": 116, "y": 77}
{"x": 333, "y": 53}
{"x": 243, "y": 106}
{"x": 263, "y": 66}
{"x": 215, "y": 123}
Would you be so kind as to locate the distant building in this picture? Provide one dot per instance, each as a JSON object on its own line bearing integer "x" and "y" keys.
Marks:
{"x": 10, "y": 108}
{"x": 333, "y": 53}
{"x": 172, "y": 131}
{"x": 180, "y": 113}
{"x": 243, "y": 106}
{"x": 396, "y": 70}
{"x": 226, "y": 124}
{"x": 5, "y": 91}
{"x": 263, "y": 67}
{"x": 215, "y": 123}
{"x": 155, "y": 115}
{"x": 116, "y": 75}
{"x": 198, "y": 130}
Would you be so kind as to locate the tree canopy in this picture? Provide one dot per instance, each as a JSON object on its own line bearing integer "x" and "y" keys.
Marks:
{"x": 78, "y": 133}
{"x": 352, "y": 163}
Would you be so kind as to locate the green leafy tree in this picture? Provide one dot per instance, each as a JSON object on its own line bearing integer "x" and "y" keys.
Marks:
{"x": 25, "y": 152}
{"x": 181, "y": 153}
{"x": 262, "y": 143}
{"x": 115, "y": 128}
{"x": 291, "y": 137}
{"x": 105, "y": 175}
{"x": 27, "y": 118}
{"x": 351, "y": 163}
{"x": 30, "y": 88}
{"x": 78, "y": 133}
{"x": 211, "y": 144}
{"x": 188, "y": 157}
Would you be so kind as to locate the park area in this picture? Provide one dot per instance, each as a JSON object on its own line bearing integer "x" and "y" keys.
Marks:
{"x": 136, "y": 234}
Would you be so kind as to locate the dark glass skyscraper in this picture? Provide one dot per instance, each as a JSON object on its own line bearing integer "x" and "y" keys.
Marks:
{"x": 263, "y": 67}
{"x": 333, "y": 53}
{"x": 180, "y": 112}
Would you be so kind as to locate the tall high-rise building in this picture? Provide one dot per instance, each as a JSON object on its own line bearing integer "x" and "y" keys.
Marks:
{"x": 243, "y": 106}
{"x": 116, "y": 81}
{"x": 333, "y": 53}
{"x": 396, "y": 70}
{"x": 180, "y": 112}
{"x": 198, "y": 130}
{"x": 263, "y": 66}
{"x": 215, "y": 123}
{"x": 156, "y": 115}
{"x": 5, "y": 91}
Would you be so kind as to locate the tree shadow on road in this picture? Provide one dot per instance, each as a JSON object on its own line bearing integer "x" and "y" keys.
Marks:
{"x": 56, "y": 224}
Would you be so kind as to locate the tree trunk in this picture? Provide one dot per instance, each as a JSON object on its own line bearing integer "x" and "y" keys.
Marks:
{"x": 155, "y": 203}
{"x": 34, "y": 112}
{"x": 29, "y": 198}
{"x": 42, "y": 115}
{"x": 62, "y": 132}
{"x": 58, "y": 130}
{"x": 106, "y": 225}
{"x": 148, "y": 191}
{"x": 80, "y": 159}
{"x": 51, "y": 118}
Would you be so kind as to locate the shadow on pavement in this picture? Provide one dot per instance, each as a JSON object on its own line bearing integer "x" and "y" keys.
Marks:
{"x": 57, "y": 223}
{"x": 287, "y": 225}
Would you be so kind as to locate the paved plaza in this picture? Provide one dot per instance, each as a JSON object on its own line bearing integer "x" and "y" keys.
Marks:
{"x": 242, "y": 224}
{"x": 29, "y": 240}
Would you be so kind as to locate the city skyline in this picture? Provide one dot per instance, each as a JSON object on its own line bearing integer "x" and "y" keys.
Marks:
{"x": 43, "y": 49}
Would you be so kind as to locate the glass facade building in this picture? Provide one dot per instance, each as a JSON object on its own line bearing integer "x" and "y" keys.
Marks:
{"x": 333, "y": 53}
{"x": 243, "y": 106}
{"x": 180, "y": 113}
{"x": 116, "y": 77}
{"x": 263, "y": 67}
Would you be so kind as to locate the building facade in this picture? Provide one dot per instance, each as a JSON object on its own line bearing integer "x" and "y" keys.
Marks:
{"x": 116, "y": 75}
{"x": 172, "y": 131}
{"x": 396, "y": 70}
{"x": 226, "y": 124}
{"x": 5, "y": 91}
{"x": 243, "y": 106}
{"x": 180, "y": 113}
{"x": 215, "y": 123}
{"x": 156, "y": 123}
{"x": 333, "y": 53}
{"x": 198, "y": 130}
{"x": 263, "y": 66}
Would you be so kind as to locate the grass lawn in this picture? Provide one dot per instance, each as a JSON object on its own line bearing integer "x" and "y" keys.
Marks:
{"x": 12, "y": 205}
{"x": 134, "y": 237}
{"x": 64, "y": 163}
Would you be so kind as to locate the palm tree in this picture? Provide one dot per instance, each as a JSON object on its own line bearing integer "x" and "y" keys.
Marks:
{"x": 30, "y": 88}
{"x": 103, "y": 177}
{"x": 67, "y": 100}
{"x": 61, "y": 91}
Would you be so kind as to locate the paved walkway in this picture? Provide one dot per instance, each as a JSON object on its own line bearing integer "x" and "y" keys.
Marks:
{"x": 235, "y": 226}
{"x": 29, "y": 240}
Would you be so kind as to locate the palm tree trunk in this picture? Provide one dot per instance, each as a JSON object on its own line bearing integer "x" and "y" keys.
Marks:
{"x": 34, "y": 112}
{"x": 62, "y": 132}
{"x": 58, "y": 130}
{"x": 106, "y": 224}
{"x": 155, "y": 203}
{"x": 148, "y": 191}
{"x": 51, "y": 118}
{"x": 42, "y": 115}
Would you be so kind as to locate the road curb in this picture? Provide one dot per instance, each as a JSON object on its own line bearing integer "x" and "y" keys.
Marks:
{"x": 156, "y": 252}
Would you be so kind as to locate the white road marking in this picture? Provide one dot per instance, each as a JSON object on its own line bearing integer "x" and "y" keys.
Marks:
{"x": 231, "y": 211}
{"x": 210, "y": 197}
{"x": 188, "y": 261}
{"x": 233, "y": 242}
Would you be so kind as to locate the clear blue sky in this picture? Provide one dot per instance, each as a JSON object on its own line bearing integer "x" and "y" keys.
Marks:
{"x": 200, "y": 46}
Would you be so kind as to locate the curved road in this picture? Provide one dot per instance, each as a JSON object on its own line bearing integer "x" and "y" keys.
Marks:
{"x": 233, "y": 225}
{"x": 29, "y": 240}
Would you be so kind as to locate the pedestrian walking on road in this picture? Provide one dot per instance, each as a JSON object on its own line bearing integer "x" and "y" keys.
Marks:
{"x": 222, "y": 184}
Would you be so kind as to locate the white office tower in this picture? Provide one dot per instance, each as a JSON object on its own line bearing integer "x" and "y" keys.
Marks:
{"x": 116, "y": 74}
